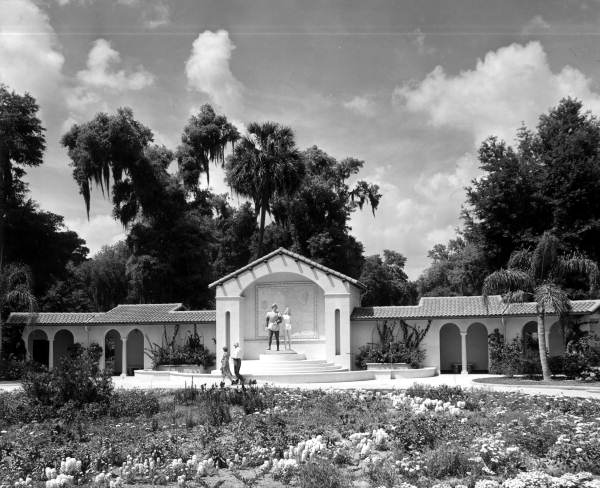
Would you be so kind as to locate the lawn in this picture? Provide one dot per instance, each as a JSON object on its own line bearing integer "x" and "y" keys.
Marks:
{"x": 264, "y": 436}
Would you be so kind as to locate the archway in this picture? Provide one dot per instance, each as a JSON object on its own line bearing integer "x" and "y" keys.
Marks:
{"x": 450, "y": 353}
{"x": 63, "y": 340}
{"x": 113, "y": 351}
{"x": 477, "y": 347}
{"x": 135, "y": 351}
{"x": 38, "y": 347}
{"x": 556, "y": 340}
{"x": 529, "y": 338}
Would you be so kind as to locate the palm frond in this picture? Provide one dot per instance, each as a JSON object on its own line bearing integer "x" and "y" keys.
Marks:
{"x": 505, "y": 281}
{"x": 520, "y": 260}
{"x": 576, "y": 264}
{"x": 551, "y": 298}
{"x": 544, "y": 257}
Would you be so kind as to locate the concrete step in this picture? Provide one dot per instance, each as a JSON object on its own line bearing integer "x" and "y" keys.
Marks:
{"x": 281, "y": 356}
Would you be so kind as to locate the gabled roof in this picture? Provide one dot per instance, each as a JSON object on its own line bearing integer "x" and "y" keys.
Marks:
{"x": 294, "y": 256}
{"x": 460, "y": 307}
{"x": 151, "y": 313}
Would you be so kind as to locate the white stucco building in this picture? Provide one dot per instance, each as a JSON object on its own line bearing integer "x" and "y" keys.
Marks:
{"x": 328, "y": 320}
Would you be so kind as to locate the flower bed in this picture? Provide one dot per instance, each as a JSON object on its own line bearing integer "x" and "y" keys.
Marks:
{"x": 442, "y": 438}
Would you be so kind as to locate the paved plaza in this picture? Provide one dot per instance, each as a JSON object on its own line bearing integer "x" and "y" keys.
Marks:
{"x": 464, "y": 381}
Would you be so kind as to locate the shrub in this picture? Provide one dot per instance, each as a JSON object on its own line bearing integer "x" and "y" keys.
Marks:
{"x": 323, "y": 474}
{"x": 11, "y": 369}
{"x": 76, "y": 380}
{"x": 505, "y": 358}
{"x": 403, "y": 346}
{"x": 191, "y": 352}
{"x": 133, "y": 403}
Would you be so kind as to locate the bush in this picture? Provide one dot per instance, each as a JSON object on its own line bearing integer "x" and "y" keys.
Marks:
{"x": 133, "y": 403}
{"x": 403, "y": 346}
{"x": 191, "y": 352}
{"x": 323, "y": 474}
{"x": 11, "y": 370}
{"x": 505, "y": 358}
{"x": 76, "y": 380}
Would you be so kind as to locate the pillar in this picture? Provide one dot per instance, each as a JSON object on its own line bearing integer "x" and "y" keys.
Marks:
{"x": 341, "y": 302}
{"x": 233, "y": 306}
{"x": 124, "y": 357}
{"x": 463, "y": 350}
{"x": 51, "y": 352}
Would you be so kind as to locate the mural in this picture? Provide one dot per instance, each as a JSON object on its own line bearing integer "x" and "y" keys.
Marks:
{"x": 300, "y": 297}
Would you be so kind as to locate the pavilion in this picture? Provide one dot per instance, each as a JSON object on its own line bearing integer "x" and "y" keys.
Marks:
{"x": 329, "y": 323}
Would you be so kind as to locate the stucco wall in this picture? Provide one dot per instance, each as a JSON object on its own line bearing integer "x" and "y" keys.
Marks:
{"x": 153, "y": 333}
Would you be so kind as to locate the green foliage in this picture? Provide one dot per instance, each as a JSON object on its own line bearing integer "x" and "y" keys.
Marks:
{"x": 314, "y": 220}
{"x": 386, "y": 281}
{"x": 399, "y": 342}
{"x": 76, "y": 380}
{"x": 191, "y": 352}
{"x": 203, "y": 140}
{"x": 505, "y": 358}
{"x": 457, "y": 269}
{"x": 324, "y": 474}
{"x": 264, "y": 165}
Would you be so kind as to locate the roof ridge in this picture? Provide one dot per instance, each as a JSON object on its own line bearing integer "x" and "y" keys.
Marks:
{"x": 283, "y": 250}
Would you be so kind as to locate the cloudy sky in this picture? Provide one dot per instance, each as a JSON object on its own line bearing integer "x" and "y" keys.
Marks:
{"x": 411, "y": 87}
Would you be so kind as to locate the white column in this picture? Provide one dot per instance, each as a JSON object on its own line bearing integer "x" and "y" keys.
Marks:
{"x": 463, "y": 350}
{"x": 124, "y": 357}
{"x": 51, "y": 353}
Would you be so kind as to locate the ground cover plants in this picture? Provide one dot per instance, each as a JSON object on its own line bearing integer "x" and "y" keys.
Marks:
{"x": 265, "y": 436}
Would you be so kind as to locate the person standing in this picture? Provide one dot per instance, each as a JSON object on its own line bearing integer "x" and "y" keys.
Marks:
{"x": 287, "y": 328}
{"x": 273, "y": 320}
{"x": 225, "y": 370}
{"x": 236, "y": 355}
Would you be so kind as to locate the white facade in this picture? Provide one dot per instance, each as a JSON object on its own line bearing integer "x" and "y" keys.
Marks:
{"x": 327, "y": 320}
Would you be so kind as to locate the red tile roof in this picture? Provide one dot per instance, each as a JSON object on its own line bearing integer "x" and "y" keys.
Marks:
{"x": 457, "y": 307}
{"x": 122, "y": 314}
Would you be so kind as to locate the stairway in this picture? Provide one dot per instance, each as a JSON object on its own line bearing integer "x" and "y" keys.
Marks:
{"x": 287, "y": 366}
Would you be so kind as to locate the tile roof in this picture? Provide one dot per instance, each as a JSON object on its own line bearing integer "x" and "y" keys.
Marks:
{"x": 294, "y": 256}
{"x": 121, "y": 314}
{"x": 50, "y": 318}
{"x": 456, "y": 307}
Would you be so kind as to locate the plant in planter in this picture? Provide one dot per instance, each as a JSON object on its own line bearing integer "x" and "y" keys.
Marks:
{"x": 192, "y": 352}
{"x": 399, "y": 342}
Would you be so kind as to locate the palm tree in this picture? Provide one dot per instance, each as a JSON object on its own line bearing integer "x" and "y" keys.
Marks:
{"x": 534, "y": 275}
{"x": 265, "y": 164}
{"x": 15, "y": 291}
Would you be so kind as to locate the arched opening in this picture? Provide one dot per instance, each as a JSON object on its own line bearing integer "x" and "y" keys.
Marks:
{"x": 38, "y": 347}
{"x": 556, "y": 340}
{"x": 529, "y": 338}
{"x": 228, "y": 330}
{"x": 63, "y": 340}
{"x": 450, "y": 353}
{"x": 477, "y": 348}
{"x": 135, "y": 351}
{"x": 338, "y": 332}
{"x": 113, "y": 352}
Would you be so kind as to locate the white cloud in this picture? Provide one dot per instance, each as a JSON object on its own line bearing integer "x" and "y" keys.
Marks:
{"x": 507, "y": 87}
{"x": 208, "y": 70}
{"x": 102, "y": 71}
{"x": 30, "y": 54}
{"x": 419, "y": 41}
{"x": 98, "y": 231}
{"x": 535, "y": 25}
{"x": 157, "y": 15}
{"x": 361, "y": 105}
